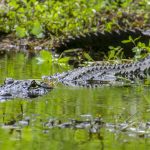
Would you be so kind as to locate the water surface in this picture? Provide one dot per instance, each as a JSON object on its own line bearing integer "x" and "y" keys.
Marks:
{"x": 113, "y": 104}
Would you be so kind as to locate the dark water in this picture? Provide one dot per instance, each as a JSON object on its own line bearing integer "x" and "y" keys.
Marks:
{"x": 113, "y": 104}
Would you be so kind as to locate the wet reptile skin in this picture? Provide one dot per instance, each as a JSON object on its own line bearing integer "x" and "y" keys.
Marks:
{"x": 103, "y": 74}
{"x": 95, "y": 75}
{"x": 22, "y": 89}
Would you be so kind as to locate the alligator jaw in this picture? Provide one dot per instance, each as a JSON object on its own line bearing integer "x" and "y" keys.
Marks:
{"x": 23, "y": 89}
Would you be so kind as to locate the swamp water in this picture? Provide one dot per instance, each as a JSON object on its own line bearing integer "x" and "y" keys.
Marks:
{"x": 114, "y": 104}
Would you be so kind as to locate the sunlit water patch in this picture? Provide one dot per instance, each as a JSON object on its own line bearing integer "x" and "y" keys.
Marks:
{"x": 24, "y": 123}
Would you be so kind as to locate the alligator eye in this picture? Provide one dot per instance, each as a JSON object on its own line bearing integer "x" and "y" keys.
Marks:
{"x": 33, "y": 84}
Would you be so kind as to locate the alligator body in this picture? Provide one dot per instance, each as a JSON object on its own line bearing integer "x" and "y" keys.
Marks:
{"x": 100, "y": 41}
{"x": 91, "y": 76}
{"x": 104, "y": 74}
{"x": 95, "y": 75}
{"x": 22, "y": 89}
{"x": 101, "y": 74}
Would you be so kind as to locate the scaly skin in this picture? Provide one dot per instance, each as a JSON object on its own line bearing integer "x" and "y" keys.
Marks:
{"x": 86, "y": 76}
{"x": 98, "y": 74}
{"x": 22, "y": 89}
{"x": 103, "y": 74}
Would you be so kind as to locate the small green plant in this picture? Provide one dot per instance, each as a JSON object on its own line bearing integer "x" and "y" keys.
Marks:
{"x": 47, "y": 57}
{"x": 131, "y": 40}
{"x": 115, "y": 53}
{"x": 138, "y": 48}
{"x": 21, "y": 32}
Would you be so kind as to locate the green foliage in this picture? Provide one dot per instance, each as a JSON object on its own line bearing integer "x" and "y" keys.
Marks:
{"x": 54, "y": 18}
{"x": 87, "y": 56}
{"x": 131, "y": 40}
{"x": 114, "y": 53}
{"x": 47, "y": 57}
{"x": 37, "y": 29}
{"x": 139, "y": 47}
{"x": 20, "y": 32}
{"x": 38, "y": 18}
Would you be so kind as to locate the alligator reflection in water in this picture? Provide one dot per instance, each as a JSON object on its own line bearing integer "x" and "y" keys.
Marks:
{"x": 90, "y": 124}
{"x": 23, "y": 89}
{"x": 136, "y": 129}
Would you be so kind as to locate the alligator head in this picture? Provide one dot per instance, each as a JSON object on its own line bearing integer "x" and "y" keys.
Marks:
{"x": 22, "y": 89}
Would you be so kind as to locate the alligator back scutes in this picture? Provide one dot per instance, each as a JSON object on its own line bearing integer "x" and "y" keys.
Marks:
{"x": 99, "y": 74}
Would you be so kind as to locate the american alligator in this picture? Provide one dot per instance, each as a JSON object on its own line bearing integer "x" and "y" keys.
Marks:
{"x": 94, "y": 75}
{"x": 104, "y": 74}
{"x": 22, "y": 89}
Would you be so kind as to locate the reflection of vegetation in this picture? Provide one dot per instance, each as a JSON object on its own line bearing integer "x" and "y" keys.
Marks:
{"x": 72, "y": 57}
{"x": 54, "y": 18}
{"x": 113, "y": 104}
{"x": 20, "y": 67}
{"x": 46, "y": 56}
